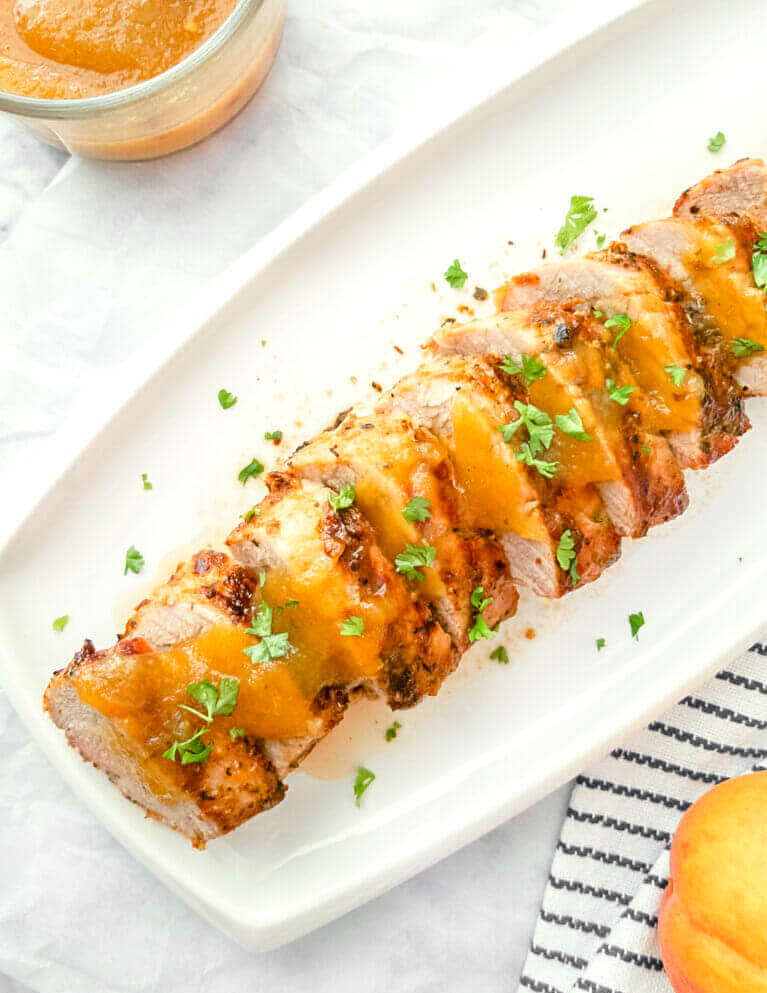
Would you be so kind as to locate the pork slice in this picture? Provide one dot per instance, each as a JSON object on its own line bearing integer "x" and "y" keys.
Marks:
{"x": 701, "y": 417}
{"x": 527, "y": 512}
{"x": 638, "y": 491}
{"x": 720, "y": 298}
{"x": 740, "y": 190}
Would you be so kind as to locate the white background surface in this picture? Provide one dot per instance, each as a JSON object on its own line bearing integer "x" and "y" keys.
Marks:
{"x": 94, "y": 256}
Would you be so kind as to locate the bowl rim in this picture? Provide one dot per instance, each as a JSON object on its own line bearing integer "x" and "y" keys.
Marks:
{"x": 81, "y": 108}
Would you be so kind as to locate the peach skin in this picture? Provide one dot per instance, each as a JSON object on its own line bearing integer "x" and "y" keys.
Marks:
{"x": 712, "y": 925}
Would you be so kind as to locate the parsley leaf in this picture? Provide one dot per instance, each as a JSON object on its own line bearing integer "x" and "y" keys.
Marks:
{"x": 61, "y": 622}
{"x": 479, "y": 601}
{"x": 364, "y": 778}
{"x": 622, "y": 321}
{"x": 134, "y": 561}
{"x": 226, "y": 399}
{"x": 271, "y": 646}
{"x": 572, "y": 425}
{"x": 145, "y": 481}
{"x": 342, "y": 500}
{"x": 566, "y": 554}
{"x": 391, "y": 732}
{"x": 601, "y": 238}
{"x": 675, "y": 373}
{"x": 621, "y": 395}
{"x": 540, "y": 428}
{"x": 252, "y": 470}
{"x": 530, "y": 367}
{"x": 636, "y": 621}
{"x": 716, "y": 143}
{"x": 236, "y": 733}
{"x": 743, "y": 347}
{"x": 597, "y": 313}
{"x": 544, "y": 467}
{"x": 417, "y": 509}
{"x": 759, "y": 261}
{"x": 581, "y": 213}
{"x": 600, "y": 644}
{"x": 500, "y": 654}
{"x": 353, "y": 627}
{"x": 414, "y": 556}
{"x": 273, "y": 436}
{"x": 455, "y": 275}
{"x": 724, "y": 252}
{"x": 215, "y": 701}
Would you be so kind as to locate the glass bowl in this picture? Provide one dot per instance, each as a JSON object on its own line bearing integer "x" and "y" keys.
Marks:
{"x": 179, "y": 107}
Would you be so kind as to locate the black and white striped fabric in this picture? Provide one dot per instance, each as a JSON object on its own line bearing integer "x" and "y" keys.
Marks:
{"x": 597, "y": 927}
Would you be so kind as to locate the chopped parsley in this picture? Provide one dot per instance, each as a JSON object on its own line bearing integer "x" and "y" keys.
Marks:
{"x": 273, "y": 436}
{"x": 481, "y": 628}
{"x": 619, "y": 395}
{"x": 597, "y": 313}
{"x": 261, "y": 577}
{"x": 61, "y": 622}
{"x": 675, "y": 373}
{"x": 352, "y": 627}
{"x": 417, "y": 509}
{"x": 646, "y": 449}
{"x": 226, "y": 399}
{"x": 600, "y": 644}
{"x": 572, "y": 425}
{"x": 236, "y": 733}
{"x": 636, "y": 622}
{"x": 601, "y": 238}
{"x": 271, "y": 646}
{"x": 412, "y": 558}
{"x": 145, "y": 481}
{"x": 716, "y": 143}
{"x": 391, "y": 733}
{"x": 221, "y": 700}
{"x": 545, "y": 468}
{"x": 622, "y": 321}
{"x": 724, "y": 252}
{"x": 567, "y": 556}
{"x": 540, "y": 428}
{"x": 342, "y": 500}
{"x": 455, "y": 275}
{"x": 253, "y": 512}
{"x": 134, "y": 561}
{"x": 581, "y": 213}
{"x": 530, "y": 367}
{"x": 759, "y": 261}
{"x": 252, "y": 470}
{"x": 743, "y": 347}
{"x": 364, "y": 778}
{"x": 500, "y": 654}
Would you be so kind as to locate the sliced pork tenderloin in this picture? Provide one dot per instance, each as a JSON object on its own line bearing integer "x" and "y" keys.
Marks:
{"x": 702, "y": 416}
{"x": 404, "y": 485}
{"x": 465, "y": 404}
{"x": 637, "y": 475}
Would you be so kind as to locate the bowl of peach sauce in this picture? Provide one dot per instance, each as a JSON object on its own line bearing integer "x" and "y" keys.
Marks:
{"x": 133, "y": 79}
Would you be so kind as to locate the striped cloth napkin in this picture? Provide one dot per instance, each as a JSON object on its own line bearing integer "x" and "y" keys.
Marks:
{"x": 597, "y": 927}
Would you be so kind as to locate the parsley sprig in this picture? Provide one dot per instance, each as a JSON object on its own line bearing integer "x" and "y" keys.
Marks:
{"x": 567, "y": 556}
{"x": 342, "y": 500}
{"x": 414, "y": 557}
{"x": 528, "y": 366}
{"x": 581, "y": 213}
{"x": 252, "y": 470}
{"x": 134, "y": 561}
{"x": 743, "y": 347}
{"x": 221, "y": 700}
{"x": 759, "y": 261}
{"x": 621, "y": 394}
{"x": 540, "y": 432}
{"x": 500, "y": 654}
{"x": 716, "y": 144}
{"x": 724, "y": 252}
{"x": 271, "y": 646}
{"x": 364, "y": 778}
{"x": 481, "y": 628}
{"x": 417, "y": 509}
{"x": 622, "y": 321}
{"x": 572, "y": 425}
{"x": 353, "y": 627}
{"x": 455, "y": 275}
{"x": 675, "y": 373}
